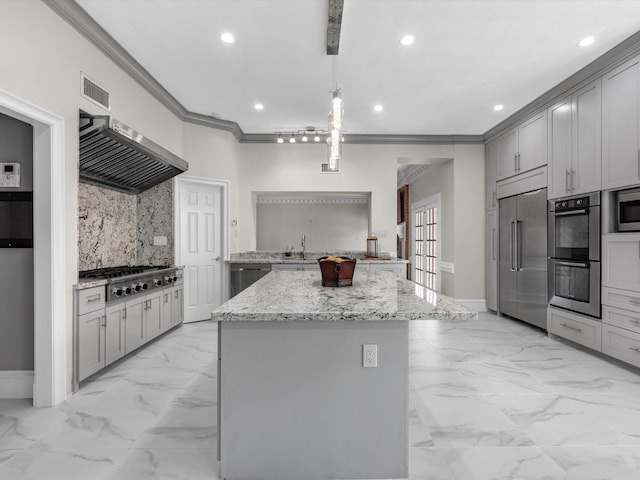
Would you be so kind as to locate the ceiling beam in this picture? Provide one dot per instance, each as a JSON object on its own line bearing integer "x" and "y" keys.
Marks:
{"x": 333, "y": 26}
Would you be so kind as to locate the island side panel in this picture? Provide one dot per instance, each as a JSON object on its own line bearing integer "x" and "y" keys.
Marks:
{"x": 296, "y": 402}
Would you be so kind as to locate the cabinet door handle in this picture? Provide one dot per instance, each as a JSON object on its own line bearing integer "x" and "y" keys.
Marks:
{"x": 635, "y": 322}
{"x": 635, "y": 349}
{"x": 515, "y": 162}
{"x": 104, "y": 321}
{"x": 573, "y": 178}
{"x": 566, "y": 181}
{"x": 493, "y": 244}
{"x": 518, "y": 162}
{"x": 93, "y": 298}
{"x": 495, "y": 199}
{"x": 575, "y": 329}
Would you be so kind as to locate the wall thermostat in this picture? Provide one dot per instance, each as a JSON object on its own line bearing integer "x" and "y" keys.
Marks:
{"x": 9, "y": 174}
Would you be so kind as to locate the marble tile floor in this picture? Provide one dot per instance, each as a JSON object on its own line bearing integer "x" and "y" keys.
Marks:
{"x": 490, "y": 399}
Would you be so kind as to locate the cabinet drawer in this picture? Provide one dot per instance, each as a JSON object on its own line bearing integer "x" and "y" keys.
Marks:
{"x": 621, "y": 344}
{"x": 621, "y": 318}
{"x": 578, "y": 329}
{"x": 91, "y": 299}
{"x": 625, "y": 299}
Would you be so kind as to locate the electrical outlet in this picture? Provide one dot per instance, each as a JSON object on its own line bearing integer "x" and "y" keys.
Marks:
{"x": 369, "y": 355}
{"x": 160, "y": 240}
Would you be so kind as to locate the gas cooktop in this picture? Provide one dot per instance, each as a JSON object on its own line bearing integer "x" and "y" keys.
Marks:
{"x": 121, "y": 271}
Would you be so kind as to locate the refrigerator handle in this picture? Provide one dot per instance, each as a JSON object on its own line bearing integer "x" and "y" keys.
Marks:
{"x": 518, "y": 246}
{"x": 513, "y": 246}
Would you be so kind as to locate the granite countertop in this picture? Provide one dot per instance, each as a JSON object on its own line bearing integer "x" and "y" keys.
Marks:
{"x": 269, "y": 256}
{"x": 374, "y": 296}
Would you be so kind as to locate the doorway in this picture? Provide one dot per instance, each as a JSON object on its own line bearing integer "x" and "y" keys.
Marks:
{"x": 51, "y": 287}
{"x": 202, "y": 243}
{"x": 425, "y": 224}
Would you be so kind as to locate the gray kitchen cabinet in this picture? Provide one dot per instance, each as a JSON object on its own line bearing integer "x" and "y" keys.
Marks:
{"x": 136, "y": 329}
{"x": 91, "y": 347}
{"x": 178, "y": 305}
{"x": 153, "y": 313}
{"x": 523, "y": 148}
{"x": 492, "y": 260}
{"x": 577, "y": 328}
{"x": 400, "y": 269}
{"x": 621, "y": 126}
{"x": 115, "y": 332}
{"x": 621, "y": 261}
{"x": 90, "y": 326}
{"x": 491, "y": 175}
{"x": 575, "y": 147}
{"x": 295, "y": 266}
{"x": 166, "y": 312}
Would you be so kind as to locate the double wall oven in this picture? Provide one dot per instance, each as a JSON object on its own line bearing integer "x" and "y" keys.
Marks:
{"x": 574, "y": 253}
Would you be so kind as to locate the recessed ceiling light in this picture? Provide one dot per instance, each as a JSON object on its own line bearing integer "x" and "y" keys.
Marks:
{"x": 378, "y": 108}
{"x": 258, "y": 106}
{"x": 227, "y": 37}
{"x": 407, "y": 40}
{"x": 498, "y": 107}
{"x": 586, "y": 41}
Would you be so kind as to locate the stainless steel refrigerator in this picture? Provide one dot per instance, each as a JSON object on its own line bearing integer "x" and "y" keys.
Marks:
{"x": 523, "y": 257}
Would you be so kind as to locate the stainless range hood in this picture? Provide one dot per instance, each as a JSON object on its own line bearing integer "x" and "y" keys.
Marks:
{"x": 115, "y": 156}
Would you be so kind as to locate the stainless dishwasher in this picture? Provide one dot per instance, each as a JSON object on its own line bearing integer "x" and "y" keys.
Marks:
{"x": 245, "y": 274}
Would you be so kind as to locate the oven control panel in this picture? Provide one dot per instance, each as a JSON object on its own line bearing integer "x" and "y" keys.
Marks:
{"x": 572, "y": 204}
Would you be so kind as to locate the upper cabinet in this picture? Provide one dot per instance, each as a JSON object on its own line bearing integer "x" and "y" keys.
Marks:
{"x": 621, "y": 126}
{"x": 523, "y": 148}
{"x": 575, "y": 157}
{"x": 491, "y": 175}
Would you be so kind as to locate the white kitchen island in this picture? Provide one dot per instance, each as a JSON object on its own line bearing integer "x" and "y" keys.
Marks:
{"x": 294, "y": 399}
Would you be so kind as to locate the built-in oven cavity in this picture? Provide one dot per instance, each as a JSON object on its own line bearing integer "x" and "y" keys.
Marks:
{"x": 574, "y": 254}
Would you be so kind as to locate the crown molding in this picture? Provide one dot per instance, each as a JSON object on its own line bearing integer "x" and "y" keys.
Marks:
{"x": 311, "y": 199}
{"x": 411, "y": 173}
{"x": 75, "y": 16}
{"x": 80, "y": 20}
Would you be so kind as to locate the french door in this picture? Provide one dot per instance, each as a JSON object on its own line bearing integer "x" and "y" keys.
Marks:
{"x": 426, "y": 246}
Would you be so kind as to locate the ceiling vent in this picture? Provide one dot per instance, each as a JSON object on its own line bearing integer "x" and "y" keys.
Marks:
{"x": 94, "y": 93}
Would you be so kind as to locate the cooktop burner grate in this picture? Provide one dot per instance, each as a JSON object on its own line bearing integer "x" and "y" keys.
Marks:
{"x": 121, "y": 271}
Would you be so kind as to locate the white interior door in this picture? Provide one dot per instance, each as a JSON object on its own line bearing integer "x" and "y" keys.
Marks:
{"x": 201, "y": 248}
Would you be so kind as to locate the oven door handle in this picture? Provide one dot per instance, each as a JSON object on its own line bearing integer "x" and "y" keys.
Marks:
{"x": 582, "y": 211}
{"x": 573, "y": 264}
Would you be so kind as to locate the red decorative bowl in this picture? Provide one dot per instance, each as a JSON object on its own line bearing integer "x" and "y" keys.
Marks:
{"x": 337, "y": 271}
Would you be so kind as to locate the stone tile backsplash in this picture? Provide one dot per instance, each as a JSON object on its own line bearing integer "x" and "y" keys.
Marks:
{"x": 116, "y": 228}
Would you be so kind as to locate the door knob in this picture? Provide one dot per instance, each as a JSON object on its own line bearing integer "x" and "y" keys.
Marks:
{"x": 217, "y": 259}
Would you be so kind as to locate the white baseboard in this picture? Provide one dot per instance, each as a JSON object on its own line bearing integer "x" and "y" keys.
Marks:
{"x": 16, "y": 383}
{"x": 473, "y": 304}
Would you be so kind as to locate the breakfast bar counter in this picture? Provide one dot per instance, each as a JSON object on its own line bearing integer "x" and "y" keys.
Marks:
{"x": 295, "y": 399}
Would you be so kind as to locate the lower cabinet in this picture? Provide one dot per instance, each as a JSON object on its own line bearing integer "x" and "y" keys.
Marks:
{"x": 577, "y": 328}
{"x": 90, "y": 343}
{"x": 621, "y": 344}
{"x": 153, "y": 313}
{"x": 400, "y": 269}
{"x": 105, "y": 335}
{"x": 115, "y": 332}
{"x": 136, "y": 329}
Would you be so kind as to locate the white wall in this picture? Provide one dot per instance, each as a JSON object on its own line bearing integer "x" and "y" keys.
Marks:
{"x": 460, "y": 183}
{"x": 42, "y": 57}
{"x": 326, "y": 226}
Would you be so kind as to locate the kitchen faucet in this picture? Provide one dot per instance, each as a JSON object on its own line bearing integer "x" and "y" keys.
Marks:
{"x": 304, "y": 246}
